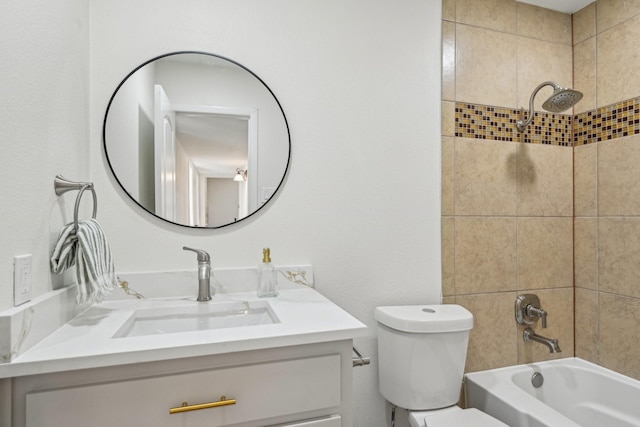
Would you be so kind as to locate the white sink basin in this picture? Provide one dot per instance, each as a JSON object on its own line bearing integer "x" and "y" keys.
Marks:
{"x": 196, "y": 317}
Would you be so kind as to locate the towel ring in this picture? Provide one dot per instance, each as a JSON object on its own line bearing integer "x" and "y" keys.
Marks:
{"x": 61, "y": 185}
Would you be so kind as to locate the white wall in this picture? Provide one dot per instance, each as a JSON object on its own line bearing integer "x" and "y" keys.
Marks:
{"x": 133, "y": 107}
{"x": 359, "y": 81}
{"x": 223, "y": 200}
{"x": 44, "y": 129}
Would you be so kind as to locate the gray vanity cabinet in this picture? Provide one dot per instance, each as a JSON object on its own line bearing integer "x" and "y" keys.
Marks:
{"x": 297, "y": 386}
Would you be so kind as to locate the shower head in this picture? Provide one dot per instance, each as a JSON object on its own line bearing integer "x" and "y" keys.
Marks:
{"x": 561, "y": 99}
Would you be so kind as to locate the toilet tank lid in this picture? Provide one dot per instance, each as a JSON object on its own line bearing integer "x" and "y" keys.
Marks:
{"x": 425, "y": 318}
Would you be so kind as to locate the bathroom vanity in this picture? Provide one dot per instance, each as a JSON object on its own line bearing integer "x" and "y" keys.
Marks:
{"x": 305, "y": 385}
{"x": 121, "y": 363}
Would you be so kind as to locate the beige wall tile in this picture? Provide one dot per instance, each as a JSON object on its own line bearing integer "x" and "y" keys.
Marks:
{"x": 545, "y": 253}
{"x": 485, "y": 254}
{"x": 492, "y": 343}
{"x": 485, "y": 177}
{"x": 585, "y": 179}
{"x": 448, "y": 256}
{"x": 545, "y": 180}
{"x": 619, "y": 255}
{"x": 558, "y": 303}
{"x": 448, "y": 157}
{"x": 620, "y": 336}
{"x": 618, "y": 61}
{"x": 585, "y": 249}
{"x": 449, "y": 300}
{"x": 584, "y": 23}
{"x": 538, "y": 62}
{"x": 584, "y": 74}
{"x": 613, "y": 12}
{"x": 618, "y": 177}
{"x": 448, "y": 61}
{"x": 544, "y": 24}
{"x": 497, "y": 15}
{"x": 485, "y": 66}
{"x": 448, "y": 118}
{"x": 449, "y": 10}
{"x": 586, "y": 328}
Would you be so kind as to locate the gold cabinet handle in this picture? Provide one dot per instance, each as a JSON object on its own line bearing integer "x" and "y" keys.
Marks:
{"x": 186, "y": 407}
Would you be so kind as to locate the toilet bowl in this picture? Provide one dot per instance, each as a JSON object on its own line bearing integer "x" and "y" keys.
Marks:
{"x": 422, "y": 351}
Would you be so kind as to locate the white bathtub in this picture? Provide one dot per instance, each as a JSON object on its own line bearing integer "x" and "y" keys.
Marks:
{"x": 574, "y": 393}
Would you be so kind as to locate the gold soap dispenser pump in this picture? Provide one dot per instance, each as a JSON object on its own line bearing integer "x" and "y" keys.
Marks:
{"x": 267, "y": 278}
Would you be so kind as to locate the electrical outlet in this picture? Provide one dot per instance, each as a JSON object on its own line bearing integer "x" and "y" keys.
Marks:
{"x": 21, "y": 279}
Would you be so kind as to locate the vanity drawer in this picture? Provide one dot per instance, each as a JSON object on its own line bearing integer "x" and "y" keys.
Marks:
{"x": 261, "y": 391}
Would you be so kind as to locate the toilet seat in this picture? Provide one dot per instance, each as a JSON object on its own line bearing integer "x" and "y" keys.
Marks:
{"x": 454, "y": 417}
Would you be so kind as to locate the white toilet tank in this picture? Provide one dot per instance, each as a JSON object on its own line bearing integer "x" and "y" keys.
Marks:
{"x": 421, "y": 354}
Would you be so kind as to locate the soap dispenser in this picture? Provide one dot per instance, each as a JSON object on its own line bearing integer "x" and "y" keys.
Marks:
{"x": 267, "y": 279}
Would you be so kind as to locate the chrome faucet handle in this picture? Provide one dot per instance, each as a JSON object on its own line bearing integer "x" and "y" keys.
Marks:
{"x": 202, "y": 255}
{"x": 535, "y": 311}
{"x": 528, "y": 310}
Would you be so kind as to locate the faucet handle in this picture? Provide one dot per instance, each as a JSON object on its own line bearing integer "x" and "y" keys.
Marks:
{"x": 202, "y": 255}
{"x": 535, "y": 311}
{"x": 528, "y": 310}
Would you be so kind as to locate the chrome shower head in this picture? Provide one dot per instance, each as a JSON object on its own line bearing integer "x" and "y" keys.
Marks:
{"x": 561, "y": 99}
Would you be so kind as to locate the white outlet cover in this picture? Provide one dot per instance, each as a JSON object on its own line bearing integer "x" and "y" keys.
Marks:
{"x": 21, "y": 279}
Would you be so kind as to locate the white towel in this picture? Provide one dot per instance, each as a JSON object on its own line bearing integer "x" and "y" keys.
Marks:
{"x": 87, "y": 249}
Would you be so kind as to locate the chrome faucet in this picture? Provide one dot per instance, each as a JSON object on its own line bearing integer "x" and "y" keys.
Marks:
{"x": 204, "y": 274}
{"x": 530, "y": 335}
{"x": 528, "y": 312}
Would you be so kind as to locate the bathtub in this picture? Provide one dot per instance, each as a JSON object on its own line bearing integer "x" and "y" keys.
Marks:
{"x": 575, "y": 393}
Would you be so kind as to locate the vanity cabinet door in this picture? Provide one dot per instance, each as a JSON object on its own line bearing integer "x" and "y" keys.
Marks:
{"x": 283, "y": 389}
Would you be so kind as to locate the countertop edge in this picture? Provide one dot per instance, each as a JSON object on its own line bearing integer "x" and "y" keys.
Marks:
{"x": 20, "y": 369}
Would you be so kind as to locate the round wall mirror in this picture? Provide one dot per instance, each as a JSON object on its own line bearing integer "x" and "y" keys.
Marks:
{"x": 196, "y": 139}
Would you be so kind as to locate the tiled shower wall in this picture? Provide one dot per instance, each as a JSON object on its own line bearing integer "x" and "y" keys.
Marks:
{"x": 507, "y": 225}
{"x": 607, "y": 186}
{"x": 508, "y": 199}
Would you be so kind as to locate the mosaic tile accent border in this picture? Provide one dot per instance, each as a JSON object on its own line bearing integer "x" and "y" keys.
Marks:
{"x": 606, "y": 123}
{"x": 499, "y": 123}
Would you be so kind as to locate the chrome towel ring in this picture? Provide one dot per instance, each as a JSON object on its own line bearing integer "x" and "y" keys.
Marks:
{"x": 61, "y": 185}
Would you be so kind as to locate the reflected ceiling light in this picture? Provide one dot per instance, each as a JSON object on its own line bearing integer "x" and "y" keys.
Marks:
{"x": 241, "y": 175}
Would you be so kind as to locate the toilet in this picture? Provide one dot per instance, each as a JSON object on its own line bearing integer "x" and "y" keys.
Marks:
{"x": 421, "y": 355}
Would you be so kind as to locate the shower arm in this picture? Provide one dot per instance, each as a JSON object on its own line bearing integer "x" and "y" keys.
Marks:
{"x": 521, "y": 125}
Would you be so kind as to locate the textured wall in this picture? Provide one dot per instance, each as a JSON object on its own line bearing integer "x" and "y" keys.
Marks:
{"x": 607, "y": 195}
{"x": 514, "y": 218}
{"x": 507, "y": 205}
{"x": 358, "y": 81}
{"x": 44, "y": 130}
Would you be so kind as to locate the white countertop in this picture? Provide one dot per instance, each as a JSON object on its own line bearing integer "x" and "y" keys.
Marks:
{"x": 305, "y": 316}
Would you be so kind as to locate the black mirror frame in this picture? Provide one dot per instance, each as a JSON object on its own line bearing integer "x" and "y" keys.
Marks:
{"x": 106, "y": 156}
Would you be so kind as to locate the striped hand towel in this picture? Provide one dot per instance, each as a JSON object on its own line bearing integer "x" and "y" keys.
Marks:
{"x": 87, "y": 249}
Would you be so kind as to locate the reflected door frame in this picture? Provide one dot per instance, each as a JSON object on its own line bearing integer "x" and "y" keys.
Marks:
{"x": 164, "y": 155}
{"x": 249, "y": 114}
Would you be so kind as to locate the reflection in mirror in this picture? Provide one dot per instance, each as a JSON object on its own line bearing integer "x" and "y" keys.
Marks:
{"x": 196, "y": 139}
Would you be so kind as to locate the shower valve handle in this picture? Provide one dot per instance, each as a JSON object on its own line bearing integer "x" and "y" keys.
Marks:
{"x": 538, "y": 312}
{"x": 528, "y": 310}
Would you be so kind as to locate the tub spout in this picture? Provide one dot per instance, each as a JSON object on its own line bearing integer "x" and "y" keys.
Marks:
{"x": 530, "y": 335}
